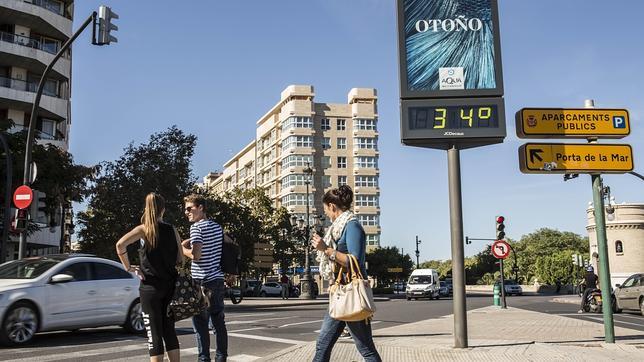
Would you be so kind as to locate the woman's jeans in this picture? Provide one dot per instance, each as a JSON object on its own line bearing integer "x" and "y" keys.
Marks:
{"x": 215, "y": 291}
{"x": 360, "y": 332}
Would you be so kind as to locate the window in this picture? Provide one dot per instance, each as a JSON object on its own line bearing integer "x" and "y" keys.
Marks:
{"x": 297, "y": 122}
{"x": 80, "y": 271}
{"x": 365, "y": 143}
{"x": 242, "y": 173}
{"x": 326, "y": 143}
{"x": 631, "y": 281}
{"x": 366, "y": 181}
{"x": 297, "y": 141}
{"x": 342, "y": 180}
{"x": 326, "y": 162}
{"x": 342, "y": 162}
{"x": 373, "y": 239}
{"x": 325, "y": 124}
{"x": 48, "y": 129}
{"x": 365, "y": 162}
{"x": 364, "y": 124}
{"x": 294, "y": 180}
{"x": 342, "y": 143}
{"x": 295, "y": 200}
{"x": 341, "y": 124}
{"x": 367, "y": 200}
{"x": 296, "y": 161}
{"x": 326, "y": 181}
{"x": 368, "y": 220}
{"x": 619, "y": 247}
{"x": 104, "y": 271}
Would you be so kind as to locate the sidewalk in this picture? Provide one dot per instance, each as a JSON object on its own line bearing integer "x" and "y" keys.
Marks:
{"x": 494, "y": 335}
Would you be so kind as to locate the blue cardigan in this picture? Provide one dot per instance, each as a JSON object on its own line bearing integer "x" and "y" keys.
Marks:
{"x": 353, "y": 241}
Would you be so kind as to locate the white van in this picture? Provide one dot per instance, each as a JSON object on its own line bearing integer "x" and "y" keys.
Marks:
{"x": 423, "y": 283}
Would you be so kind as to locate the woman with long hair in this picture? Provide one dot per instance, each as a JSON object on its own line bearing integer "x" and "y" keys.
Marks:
{"x": 345, "y": 237}
{"x": 160, "y": 253}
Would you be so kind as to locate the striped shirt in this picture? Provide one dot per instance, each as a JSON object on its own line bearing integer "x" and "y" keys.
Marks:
{"x": 211, "y": 237}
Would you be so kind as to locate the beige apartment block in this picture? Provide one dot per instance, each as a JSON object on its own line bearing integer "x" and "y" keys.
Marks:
{"x": 625, "y": 236}
{"x": 338, "y": 141}
{"x": 31, "y": 33}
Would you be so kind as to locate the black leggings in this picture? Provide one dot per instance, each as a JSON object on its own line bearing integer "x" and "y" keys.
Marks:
{"x": 159, "y": 327}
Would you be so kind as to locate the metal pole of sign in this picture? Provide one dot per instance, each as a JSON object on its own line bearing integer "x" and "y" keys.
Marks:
{"x": 458, "y": 253}
{"x": 503, "y": 304}
{"x": 602, "y": 245}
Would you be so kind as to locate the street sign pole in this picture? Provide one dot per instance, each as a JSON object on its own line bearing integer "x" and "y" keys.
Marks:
{"x": 602, "y": 245}
{"x": 458, "y": 253}
{"x": 503, "y": 304}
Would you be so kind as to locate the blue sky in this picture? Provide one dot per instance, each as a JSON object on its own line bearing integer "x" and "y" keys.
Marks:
{"x": 214, "y": 67}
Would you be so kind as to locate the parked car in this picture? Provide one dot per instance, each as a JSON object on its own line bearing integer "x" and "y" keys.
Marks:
{"x": 444, "y": 290}
{"x": 270, "y": 289}
{"x": 630, "y": 294}
{"x": 448, "y": 282}
{"x": 252, "y": 286}
{"x": 511, "y": 287}
{"x": 65, "y": 292}
{"x": 399, "y": 287}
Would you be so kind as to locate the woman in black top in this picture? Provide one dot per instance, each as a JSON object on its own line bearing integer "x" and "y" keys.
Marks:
{"x": 159, "y": 253}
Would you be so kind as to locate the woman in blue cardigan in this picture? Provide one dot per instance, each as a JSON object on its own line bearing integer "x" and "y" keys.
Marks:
{"x": 345, "y": 236}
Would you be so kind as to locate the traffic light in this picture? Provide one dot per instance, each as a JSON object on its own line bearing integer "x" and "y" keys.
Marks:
{"x": 574, "y": 259}
{"x": 467, "y": 240}
{"x": 105, "y": 26}
{"x": 20, "y": 220}
{"x": 500, "y": 227}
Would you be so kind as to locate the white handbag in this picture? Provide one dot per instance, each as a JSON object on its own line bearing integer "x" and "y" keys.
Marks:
{"x": 353, "y": 301}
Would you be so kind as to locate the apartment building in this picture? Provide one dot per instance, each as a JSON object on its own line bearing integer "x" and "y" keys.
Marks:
{"x": 338, "y": 141}
{"x": 31, "y": 33}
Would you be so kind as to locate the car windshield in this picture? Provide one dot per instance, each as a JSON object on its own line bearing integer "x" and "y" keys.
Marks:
{"x": 510, "y": 282}
{"x": 420, "y": 279}
{"x": 26, "y": 268}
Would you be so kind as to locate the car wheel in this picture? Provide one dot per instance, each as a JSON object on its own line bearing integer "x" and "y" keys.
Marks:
{"x": 19, "y": 325}
{"x": 614, "y": 306}
{"x": 408, "y": 298}
{"x": 262, "y": 294}
{"x": 642, "y": 306}
{"x": 134, "y": 322}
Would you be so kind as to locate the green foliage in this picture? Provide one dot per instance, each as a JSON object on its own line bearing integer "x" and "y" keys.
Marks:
{"x": 162, "y": 165}
{"x": 381, "y": 259}
{"x": 58, "y": 177}
{"x": 545, "y": 255}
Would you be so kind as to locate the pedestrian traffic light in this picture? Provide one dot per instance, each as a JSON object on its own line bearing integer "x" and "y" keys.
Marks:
{"x": 105, "y": 26}
{"x": 500, "y": 227}
{"x": 574, "y": 259}
{"x": 20, "y": 220}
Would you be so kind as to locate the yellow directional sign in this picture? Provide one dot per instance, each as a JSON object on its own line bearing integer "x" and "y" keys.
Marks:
{"x": 580, "y": 158}
{"x": 394, "y": 270}
{"x": 572, "y": 123}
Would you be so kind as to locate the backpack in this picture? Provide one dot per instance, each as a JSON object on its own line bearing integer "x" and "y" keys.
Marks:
{"x": 230, "y": 256}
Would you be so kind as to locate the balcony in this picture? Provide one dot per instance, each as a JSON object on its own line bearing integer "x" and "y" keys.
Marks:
{"x": 21, "y": 85}
{"x": 41, "y": 16}
{"x": 33, "y": 54}
{"x": 51, "y": 48}
{"x": 55, "y": 7}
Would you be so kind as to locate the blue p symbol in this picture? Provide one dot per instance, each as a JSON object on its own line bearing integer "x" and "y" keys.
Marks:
{"x": 619, "y": 122}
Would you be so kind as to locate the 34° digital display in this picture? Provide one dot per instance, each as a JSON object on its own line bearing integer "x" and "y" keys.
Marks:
{"x": 453, "y": 117}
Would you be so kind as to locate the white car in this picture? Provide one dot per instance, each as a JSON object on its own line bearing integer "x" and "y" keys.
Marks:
{"x": 271, "y": 289}
{"x": 65, "y": 292}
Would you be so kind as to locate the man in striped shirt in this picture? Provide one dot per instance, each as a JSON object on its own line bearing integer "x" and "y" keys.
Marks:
{"x": 204, "y": 248}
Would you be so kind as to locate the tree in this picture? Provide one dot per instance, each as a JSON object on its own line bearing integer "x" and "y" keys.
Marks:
{"x": 62, "y": 180}
{"x": 162, "y": 165}
{"x": 381, "y": 259}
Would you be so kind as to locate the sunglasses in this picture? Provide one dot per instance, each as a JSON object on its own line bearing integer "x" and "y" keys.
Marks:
{"x": 189, "y": 209}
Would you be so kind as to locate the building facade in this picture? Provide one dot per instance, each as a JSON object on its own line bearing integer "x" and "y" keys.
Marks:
{"x": 625, "y": 236}
{"x": 338, "y": 141}
{"x": 31, "y": 33}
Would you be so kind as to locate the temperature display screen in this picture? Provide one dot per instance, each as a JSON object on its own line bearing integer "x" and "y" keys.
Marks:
{"x": 453, "y": 117}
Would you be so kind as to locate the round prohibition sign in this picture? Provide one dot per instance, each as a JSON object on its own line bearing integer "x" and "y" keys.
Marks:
{"x": 500, "y": 249}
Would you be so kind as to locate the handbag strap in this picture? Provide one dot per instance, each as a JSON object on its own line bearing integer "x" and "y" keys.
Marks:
{"x": 355, "y": 268}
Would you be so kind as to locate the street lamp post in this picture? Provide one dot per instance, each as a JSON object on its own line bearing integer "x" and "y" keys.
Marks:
{"x": 305, "y": 231}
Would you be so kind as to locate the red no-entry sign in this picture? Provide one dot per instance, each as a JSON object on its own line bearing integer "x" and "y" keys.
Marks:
{"x": 23, "y": 197}
{"x": 500, "y": 249}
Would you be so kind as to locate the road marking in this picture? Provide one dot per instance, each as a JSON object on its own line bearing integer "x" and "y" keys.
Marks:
{"x": 297, "y": 324}
{"x": 617, "y": 321}
{"x": 258, "y": 320}
{"x": 243, "y": 358}
{"x": 630, "y": 316}
{"x": 246, "y": 315}
{"x": 80, "y": 355}
{"x": 263, "y": 338}
{"x": 372, "y": 323}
